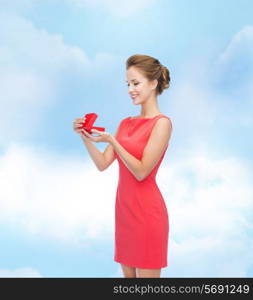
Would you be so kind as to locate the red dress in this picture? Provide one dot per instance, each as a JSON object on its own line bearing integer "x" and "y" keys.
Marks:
{"x": 141, "y": 217}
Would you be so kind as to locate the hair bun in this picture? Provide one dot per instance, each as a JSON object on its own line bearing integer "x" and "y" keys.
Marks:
{"x": 164, "y": 78}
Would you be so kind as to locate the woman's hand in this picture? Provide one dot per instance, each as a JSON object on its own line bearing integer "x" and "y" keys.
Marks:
{"x": 102, "y": 136}
{"x": 77, "y": 124}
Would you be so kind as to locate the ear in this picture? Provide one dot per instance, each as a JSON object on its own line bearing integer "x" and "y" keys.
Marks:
{"x": 153, "y": 84}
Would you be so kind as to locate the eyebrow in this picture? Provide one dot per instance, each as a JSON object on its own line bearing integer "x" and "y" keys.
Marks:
{"x": 132, "y": 80}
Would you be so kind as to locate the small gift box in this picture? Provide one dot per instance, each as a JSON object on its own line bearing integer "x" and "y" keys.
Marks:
{"x": 89, "y": 121}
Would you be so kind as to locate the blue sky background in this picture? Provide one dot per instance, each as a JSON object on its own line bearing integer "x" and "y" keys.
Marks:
{"x": 62, "y": 59}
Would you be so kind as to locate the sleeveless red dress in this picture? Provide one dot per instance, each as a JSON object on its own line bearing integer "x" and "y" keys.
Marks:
{"x": 141, "y": 217}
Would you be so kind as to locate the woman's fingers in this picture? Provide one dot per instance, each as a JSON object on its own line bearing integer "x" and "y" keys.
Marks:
{"x": 85, "y": 132}
{"x": 78, "y": 127}
{"x": 78, "y": 122}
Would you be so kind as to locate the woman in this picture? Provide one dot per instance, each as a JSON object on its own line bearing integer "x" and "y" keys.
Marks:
{"x": 139, "y": 145}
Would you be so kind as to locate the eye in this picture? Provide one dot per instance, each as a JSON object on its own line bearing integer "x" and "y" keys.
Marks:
{"x": 134, "y": 84}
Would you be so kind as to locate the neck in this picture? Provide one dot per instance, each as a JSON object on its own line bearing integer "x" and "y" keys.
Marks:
{"x": 150, "y": 108}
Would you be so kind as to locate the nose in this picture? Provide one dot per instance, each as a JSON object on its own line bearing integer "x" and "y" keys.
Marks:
{"x": 130, "y": 89}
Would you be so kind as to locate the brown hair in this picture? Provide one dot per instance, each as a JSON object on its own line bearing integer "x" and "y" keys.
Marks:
{"x": 152, "y": 69}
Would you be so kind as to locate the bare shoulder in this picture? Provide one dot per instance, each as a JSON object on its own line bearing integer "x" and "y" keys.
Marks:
{"x": 163, "y": 123}
{"x": 161, "y": 130}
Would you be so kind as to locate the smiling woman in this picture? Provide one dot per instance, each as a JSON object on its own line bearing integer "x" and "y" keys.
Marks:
{"x": 139, "y": 145}
{"x": 141, "y": 217}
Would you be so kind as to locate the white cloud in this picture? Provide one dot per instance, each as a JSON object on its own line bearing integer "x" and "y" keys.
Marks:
{"x": 69, "y": 200}
{"x": 20, "y": 272}
{"x": 212, "y": 102}
{"x": 31, "y": 47}
{"x": 36, "y": 68}
{"x": 212, "y": 195}
{"x": 56, "y": 197}
{"x": 209, "y": 256}
{"x": 240, "y": 44}
{"x": 234, "y": 66}
{"x": 210, "y": 204}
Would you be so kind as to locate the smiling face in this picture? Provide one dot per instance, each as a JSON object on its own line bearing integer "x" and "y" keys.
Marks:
{"x": 140, "y": 88}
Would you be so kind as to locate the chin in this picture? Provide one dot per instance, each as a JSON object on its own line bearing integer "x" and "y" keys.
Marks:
{"x": 136, "y": 102}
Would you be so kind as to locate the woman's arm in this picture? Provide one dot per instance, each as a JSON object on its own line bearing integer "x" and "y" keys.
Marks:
{"x": 109, "y": 155}
{"x": 153, "y": 151}
{"x": 101, "y": 160}
{"x": 95, "y": 154}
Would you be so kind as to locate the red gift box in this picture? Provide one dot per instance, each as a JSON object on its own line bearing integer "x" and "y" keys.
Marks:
{"x": 89, "y": 121}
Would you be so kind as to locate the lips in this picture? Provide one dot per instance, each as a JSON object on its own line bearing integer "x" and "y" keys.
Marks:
{"x": 133, "y": 96}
